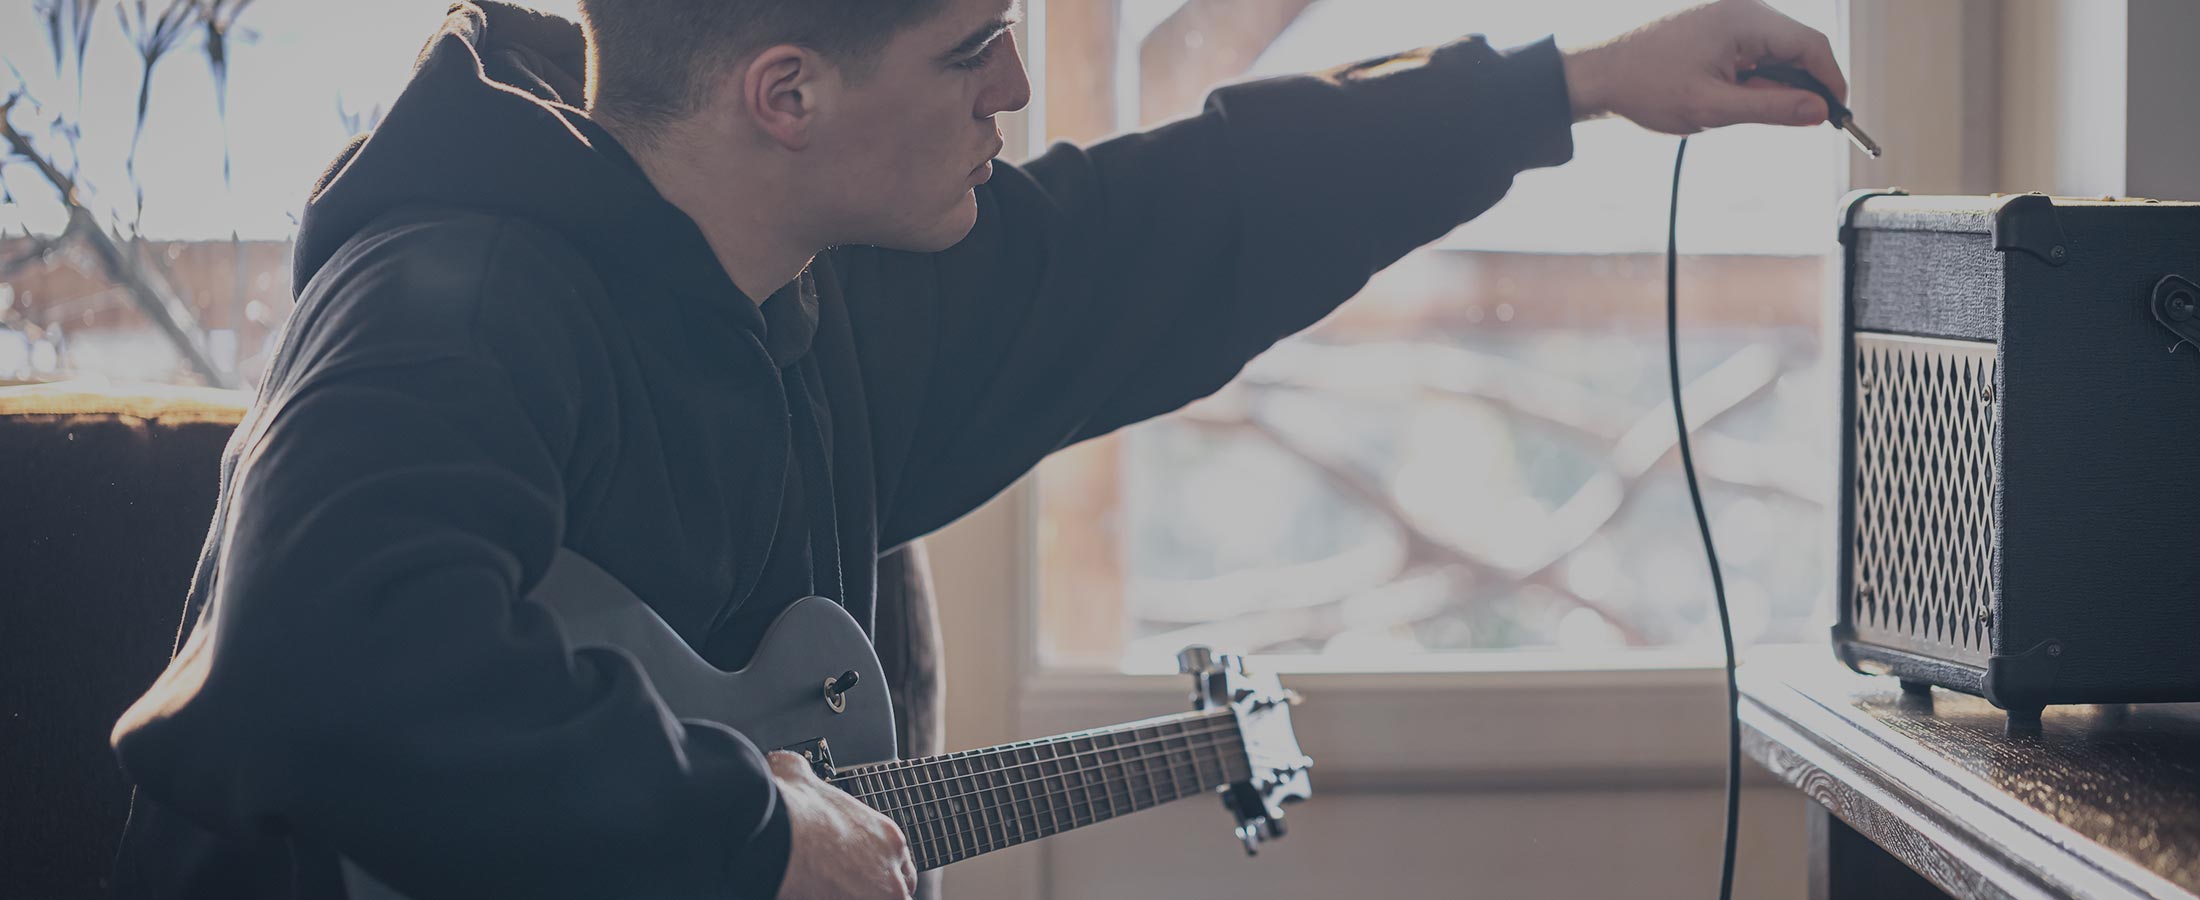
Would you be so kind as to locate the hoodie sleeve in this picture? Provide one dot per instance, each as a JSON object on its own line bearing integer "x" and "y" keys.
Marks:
{"x": 1106, "y": 285}
{"x": 367, "y": 676}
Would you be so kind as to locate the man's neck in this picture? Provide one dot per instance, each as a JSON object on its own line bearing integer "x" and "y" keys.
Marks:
{"x": 749, "y": 215}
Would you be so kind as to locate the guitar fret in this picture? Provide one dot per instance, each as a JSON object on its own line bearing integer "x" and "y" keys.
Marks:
{"x": 1023, "y": 756}
{"x": 971, "y": 805}
{"x": 988, "y": 817}
{"x": 911, "y": 829}
{"x": 996, "y": 780}
{"x": 1133, "y": 766}
{"x": 991, "y": 783}
{"x": 937, "y": 787}
{"x": 1172, "y": 734}
{"x": 933, "y": 830}
{"x": 1078, "y": 749}
{"x": 1145, "y": 771}
{"x": 1108, "y": 758}
{"x": 1039, "y": 771}
{"x": 1200, "y": 780}
{"x": 986, "y": 814}
{"x": 1110, "y": 768}
{"x": 1066, "y": 816}
{"x": 943, "y": 789}
{"x": 1167, "y": 767}
{"x": 1059, "y": 786}
{"x": 1007, "y": 788}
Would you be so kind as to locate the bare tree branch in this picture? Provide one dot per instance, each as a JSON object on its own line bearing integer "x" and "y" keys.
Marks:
{"x": 1524, "y": 393}
{"x": 150, "y": 293}
{"x": 1422, "y": 549}
{"x": 1293, "y": 586}
{"x": 1636, "y": 446}
{"x": 154, "y": 34}
{"x": 37, "y": 252}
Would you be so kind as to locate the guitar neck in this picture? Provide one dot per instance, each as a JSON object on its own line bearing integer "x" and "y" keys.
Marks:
{"x": 957, "y": 806}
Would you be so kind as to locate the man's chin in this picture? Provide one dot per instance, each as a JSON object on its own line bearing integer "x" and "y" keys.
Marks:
{"x": 947, "y": 232}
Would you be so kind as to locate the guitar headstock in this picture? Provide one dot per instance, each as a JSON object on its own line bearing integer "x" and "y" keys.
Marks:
{"x": 1262, "y": 707}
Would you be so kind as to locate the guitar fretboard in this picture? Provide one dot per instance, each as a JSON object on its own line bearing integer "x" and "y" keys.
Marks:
{"x": 957, "y": 806}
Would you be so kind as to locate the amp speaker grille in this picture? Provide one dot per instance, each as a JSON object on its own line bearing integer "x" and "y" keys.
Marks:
{"x": 1924, "y": 495}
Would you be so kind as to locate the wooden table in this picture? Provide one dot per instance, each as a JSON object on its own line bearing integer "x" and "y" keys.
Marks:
{"x": 1931, "y": 795}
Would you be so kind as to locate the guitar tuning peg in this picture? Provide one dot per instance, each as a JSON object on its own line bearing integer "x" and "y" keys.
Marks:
{"x": 1250, "y": 834}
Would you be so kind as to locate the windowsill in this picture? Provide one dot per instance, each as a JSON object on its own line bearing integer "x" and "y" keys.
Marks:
{"x": 1633, "y": 723}
{"x": 1476, "y": 663}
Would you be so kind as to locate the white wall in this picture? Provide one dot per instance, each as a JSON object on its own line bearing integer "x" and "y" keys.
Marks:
{"x": 2096, "y": 98}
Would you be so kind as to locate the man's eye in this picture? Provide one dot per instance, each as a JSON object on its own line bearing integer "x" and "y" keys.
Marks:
{"x": 979, "y": 61}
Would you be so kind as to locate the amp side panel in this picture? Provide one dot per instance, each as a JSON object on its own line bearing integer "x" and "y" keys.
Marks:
{"x": 2101, "y": 459}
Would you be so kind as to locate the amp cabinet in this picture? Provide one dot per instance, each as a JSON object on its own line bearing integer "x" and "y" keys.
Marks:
{"x": 2020, "y": 447}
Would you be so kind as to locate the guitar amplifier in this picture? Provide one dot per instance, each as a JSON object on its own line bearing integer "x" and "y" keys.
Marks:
{"x": 2020, "y": 453}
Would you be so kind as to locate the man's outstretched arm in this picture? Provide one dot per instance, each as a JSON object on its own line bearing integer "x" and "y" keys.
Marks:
{"x": 1106, "y": 285}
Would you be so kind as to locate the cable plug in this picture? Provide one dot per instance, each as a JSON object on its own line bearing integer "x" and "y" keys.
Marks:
{"x": 1837, "y": 115}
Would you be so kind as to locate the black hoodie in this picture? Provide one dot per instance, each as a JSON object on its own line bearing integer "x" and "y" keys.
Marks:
{"x": 506, "y": 341}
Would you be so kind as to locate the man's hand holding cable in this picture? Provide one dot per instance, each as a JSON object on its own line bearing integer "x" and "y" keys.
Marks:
{"x": 1678, "y": 75}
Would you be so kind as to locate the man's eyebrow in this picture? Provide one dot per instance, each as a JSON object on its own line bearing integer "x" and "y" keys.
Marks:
{"x": 985, "y": 34}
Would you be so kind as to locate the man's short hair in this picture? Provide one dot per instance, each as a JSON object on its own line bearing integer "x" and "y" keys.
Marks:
{"x": 652, "y": 62}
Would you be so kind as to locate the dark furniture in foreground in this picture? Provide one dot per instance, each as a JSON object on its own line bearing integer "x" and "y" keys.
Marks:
{"x": 104, "y": 500}
{"x": 105, "y": 496}
{"x": 1936, "y": 794}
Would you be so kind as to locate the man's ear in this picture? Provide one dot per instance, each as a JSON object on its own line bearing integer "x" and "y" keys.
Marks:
{"x": 783, "y": 90}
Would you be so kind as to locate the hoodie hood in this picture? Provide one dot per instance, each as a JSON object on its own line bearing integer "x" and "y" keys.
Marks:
{"x": 492, "y": 122}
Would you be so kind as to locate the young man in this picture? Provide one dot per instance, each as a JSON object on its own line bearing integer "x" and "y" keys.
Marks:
{"x": 727, "y": 300}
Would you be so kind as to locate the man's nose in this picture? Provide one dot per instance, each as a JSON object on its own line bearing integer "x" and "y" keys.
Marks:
{"x": 1013, "y": 91}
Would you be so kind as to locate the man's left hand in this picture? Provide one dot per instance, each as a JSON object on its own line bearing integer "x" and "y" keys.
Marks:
{"x": 1677, "y": 75}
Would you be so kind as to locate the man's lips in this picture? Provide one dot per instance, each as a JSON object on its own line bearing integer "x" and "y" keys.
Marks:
{"x": 983, "y": 171}
{"x": 998, "y": 146}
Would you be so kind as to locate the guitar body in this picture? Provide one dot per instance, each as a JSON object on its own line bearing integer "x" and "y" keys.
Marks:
{"x": 778, "y": 700}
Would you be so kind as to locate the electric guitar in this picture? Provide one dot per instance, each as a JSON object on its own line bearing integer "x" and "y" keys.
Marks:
{"x": 815, "y": 687}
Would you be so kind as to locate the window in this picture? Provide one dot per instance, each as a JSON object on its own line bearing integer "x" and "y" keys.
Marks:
{"x": 1473, "y": 457}
{"x": 206, "y": 206}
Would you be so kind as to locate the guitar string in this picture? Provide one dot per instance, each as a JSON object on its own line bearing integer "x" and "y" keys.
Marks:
{"x": 1075, "y": 757}
{"x": 1128, "y": 792}
{"x": 939, "y": 847}
{"x": 995, "y": 806}
{"x": 937, "y": 773}
{"x": 986, "y": 838}
{"x": 967, "y": 842}
{"x": 1079, "y": 773}
{"x": 1188, "y": 720}
{"x": 1109, "y": 789}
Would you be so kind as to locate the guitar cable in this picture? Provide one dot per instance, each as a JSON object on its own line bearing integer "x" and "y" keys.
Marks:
{"x": 1838, "y": 116}
{"x": 1703, "y": 523}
